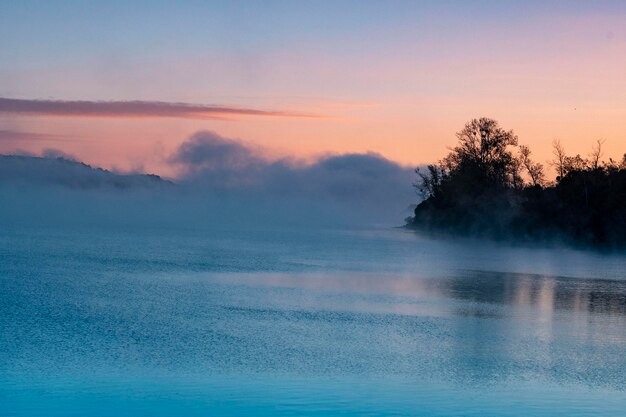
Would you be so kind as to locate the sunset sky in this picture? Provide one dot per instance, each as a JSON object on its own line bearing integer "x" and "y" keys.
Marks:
{"x": 123, "y": 84}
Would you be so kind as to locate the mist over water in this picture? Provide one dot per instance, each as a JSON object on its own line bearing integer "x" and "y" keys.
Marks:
{"x": 222, "y": 182}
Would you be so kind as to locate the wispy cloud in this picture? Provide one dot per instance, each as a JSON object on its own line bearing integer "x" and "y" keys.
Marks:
{"x": 138, "y": 109}
{"x": 19, "y": 136}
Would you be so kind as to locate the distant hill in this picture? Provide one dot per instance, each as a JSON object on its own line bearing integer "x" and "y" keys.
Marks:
{"x": 18, "y": 169}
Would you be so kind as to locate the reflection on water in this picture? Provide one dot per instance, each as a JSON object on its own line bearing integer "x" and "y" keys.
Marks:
{"x": 507, "y": 326}
{"x": 544, "y": 293}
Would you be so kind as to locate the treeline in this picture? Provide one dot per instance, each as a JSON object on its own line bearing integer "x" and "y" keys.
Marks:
{"x": 490, "y": 186}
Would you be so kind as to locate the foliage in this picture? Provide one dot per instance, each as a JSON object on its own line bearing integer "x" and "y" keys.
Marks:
{"x": 488, "y": 185}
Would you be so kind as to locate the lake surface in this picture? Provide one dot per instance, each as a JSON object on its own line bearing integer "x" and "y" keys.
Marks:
{"x": 306, "y": 322}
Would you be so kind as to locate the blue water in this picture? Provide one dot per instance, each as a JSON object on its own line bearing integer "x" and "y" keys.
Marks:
{"x": 306, "y": 322}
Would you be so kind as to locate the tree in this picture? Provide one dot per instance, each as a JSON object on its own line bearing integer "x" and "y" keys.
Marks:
{"x": 575, "y": 164}
{"x": 478, "y": 190}
{"x": 483, "y": 155}
{"x": 559, "y": 158}
{"x": 533, "y": 169}
{"x": 429, "y": 183}
{"x": 596, "y": 154}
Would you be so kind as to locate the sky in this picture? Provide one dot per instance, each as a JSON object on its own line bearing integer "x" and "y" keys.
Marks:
{"x": 123, "y": 84}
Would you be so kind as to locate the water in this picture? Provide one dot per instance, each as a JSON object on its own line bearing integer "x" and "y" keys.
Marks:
{"x": 306, "y": 322}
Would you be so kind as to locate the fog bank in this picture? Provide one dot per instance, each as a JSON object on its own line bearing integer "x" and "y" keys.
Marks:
{"x": 222, "y": 183}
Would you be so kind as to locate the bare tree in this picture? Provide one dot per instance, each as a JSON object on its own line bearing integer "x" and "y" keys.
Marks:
{"x": 534, "y": 169}
{"x": 596, "y": 154}
{"x": 560, "y": 158}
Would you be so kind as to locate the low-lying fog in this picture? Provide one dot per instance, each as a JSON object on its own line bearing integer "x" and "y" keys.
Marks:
{"x": 222, "y": 182}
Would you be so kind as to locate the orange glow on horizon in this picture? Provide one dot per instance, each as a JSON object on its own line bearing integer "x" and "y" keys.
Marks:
{"x": 546, "y": 78}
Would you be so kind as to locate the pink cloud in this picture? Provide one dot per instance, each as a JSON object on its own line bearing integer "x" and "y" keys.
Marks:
{"x": 130, "y": 109}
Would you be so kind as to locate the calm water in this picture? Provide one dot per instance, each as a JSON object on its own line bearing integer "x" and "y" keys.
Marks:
{"x": 325, "y": 322}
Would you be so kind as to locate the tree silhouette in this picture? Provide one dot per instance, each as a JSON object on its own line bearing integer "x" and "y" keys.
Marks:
{"x": 483, "y": 153}
{"x": 559, "y": 158}
{"x": 478, "y": 189}
{"x": 533, "y": 169}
